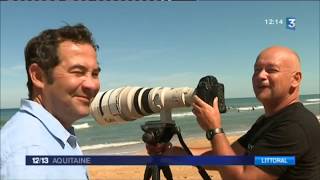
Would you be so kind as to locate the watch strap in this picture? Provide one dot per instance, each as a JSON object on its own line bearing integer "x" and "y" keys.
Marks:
{"x": 212, "y": 132}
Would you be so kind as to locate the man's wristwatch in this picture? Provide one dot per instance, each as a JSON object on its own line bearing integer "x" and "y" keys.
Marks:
{"x": 212, "y": 132}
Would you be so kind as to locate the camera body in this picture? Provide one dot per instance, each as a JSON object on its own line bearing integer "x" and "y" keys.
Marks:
{"x": 208, "y": 88}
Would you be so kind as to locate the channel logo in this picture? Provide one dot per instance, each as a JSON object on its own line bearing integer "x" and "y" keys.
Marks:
{"x": 275, "y": 160}
{"x": 291, "y": 23}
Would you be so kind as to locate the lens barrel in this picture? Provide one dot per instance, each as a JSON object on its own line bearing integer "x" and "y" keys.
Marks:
{"x": 130, "y": 103}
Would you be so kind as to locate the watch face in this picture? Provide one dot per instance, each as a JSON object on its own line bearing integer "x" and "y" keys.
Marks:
{"x": 212, "y": 132}
{"x": 209, "y": 135}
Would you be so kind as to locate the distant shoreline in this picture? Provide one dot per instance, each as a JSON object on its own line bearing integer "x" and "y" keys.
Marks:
{"x": 136, "y": 148}
{"x": 11, "y": 108}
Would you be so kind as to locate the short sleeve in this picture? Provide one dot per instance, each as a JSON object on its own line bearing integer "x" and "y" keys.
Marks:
{"x": 243, "y": 140}
{"x": 287, "y": 139}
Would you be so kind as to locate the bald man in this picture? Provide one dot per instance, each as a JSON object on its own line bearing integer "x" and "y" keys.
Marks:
{"x": 286, "y": 128}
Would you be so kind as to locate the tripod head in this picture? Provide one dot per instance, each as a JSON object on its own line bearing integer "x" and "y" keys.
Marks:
{"x": 159, "y": 131}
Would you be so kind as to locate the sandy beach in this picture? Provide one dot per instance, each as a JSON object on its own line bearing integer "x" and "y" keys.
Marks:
{"x": 137, "y": 172}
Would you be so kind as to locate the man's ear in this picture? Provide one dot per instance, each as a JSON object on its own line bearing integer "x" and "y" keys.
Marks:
{"x": 37, "y": 75}
{"x": 296, "y": 79}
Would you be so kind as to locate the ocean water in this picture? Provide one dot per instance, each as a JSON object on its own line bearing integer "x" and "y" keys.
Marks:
{"x": 126, "y": 138}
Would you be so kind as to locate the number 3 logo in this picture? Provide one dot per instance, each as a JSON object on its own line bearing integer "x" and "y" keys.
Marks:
{"x": 291, "y": 23}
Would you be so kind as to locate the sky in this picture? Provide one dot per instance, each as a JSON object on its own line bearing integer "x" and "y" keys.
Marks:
{"x": 169, "y": 44}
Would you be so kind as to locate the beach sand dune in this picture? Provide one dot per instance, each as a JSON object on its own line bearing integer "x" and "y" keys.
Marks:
{"x": 137, "y": 172}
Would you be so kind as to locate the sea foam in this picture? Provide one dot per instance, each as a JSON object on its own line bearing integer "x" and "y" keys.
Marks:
{"x": 100, "y": 146}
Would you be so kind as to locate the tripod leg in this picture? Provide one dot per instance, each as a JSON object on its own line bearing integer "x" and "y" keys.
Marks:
{"x": 167, "y": 172}
{"x": 155, "y": 173}
{"x": 147, "y": 173}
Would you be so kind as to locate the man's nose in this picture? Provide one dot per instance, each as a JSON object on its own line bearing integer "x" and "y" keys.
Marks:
{"x": 91, "y": 85}
{"x": 262, "y": 74}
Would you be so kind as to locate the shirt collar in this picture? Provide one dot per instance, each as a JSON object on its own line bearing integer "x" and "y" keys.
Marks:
{"x": 47, "y": 119}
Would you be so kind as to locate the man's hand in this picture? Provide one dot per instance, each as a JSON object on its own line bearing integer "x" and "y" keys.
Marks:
{"x": 208, "y": 117}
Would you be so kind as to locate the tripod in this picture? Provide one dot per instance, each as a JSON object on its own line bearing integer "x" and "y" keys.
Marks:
{"x": 158, "y": 132}
{"x": 162, "y": 132}
{"x": 154, "y": 171}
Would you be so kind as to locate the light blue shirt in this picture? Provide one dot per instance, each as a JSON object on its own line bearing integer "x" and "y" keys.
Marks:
{"x": 34, "y": 131}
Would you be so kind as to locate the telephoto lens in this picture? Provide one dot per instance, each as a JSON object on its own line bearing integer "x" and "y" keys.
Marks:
{"x": 130, "y": 103}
